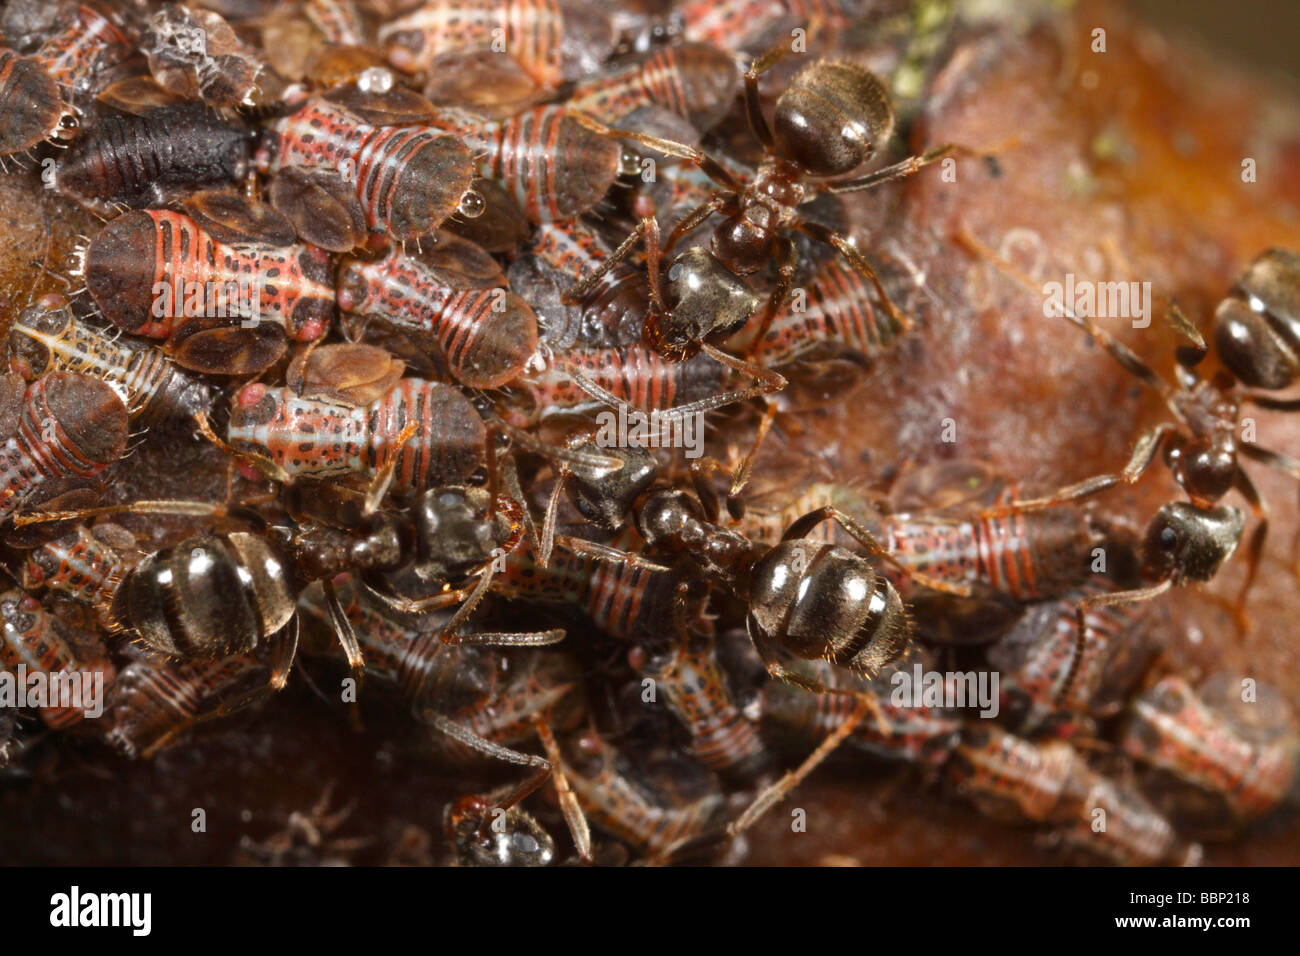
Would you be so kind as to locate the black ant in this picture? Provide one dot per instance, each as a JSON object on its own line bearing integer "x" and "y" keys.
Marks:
{"x": 1257, "y": 335}
{"x": 828, "y": 122}
{"x": 219, "y": 594}
{"x": 804, "y": 598}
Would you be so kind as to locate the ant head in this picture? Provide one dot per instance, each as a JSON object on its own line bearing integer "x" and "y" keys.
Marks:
{"x": 831, "y": 117}
{"x": 484, "y": 835}
{"x": 1257, "y": 327}
{"x": 453, "y": 536}
{"x": 382, "y": 544}
{"x": 1186, "y": 543}
{"x": 605, "y": 498}
{"x": 452, "y": 529}
{"x": 666, "y": 514}
{"x": 1206, "y": 468}
{"x": 702, "y": 297}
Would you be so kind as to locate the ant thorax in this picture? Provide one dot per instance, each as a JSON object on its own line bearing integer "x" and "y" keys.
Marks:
{"x": 1208, "y": 409}
{"x": 772, "y": 197}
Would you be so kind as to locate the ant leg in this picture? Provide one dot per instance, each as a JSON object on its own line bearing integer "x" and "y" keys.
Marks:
{"x": 858, "y": 262}
{"x": 283, "y": 652}
{"x": 343, "y": 630}
{"x": 282, "y": 657}
{"x": 516, "y": 492}
{"x": 514, "y": 512}
{"x": 448, "y": 635}
{"x": 603, "y": 552}
{"x": 547, "y": 543}
{"x": 773, "y": 381}
{"x": 197, "y": 509}
{"x": 681, "y": 612}
{"x": 708, "y": 165}
{"x": 574, "y": 818}
{"x": 546, "y": 546}
{"x": 1254, "y": 550}
{"x": 1081, "y": 618}
{"x": 784, "y": 279}
{"x": 702, "y": 469}
{"x": 907, "y": 167}
{"x": 1126, "y": 357}
{"x": 420, "y": 605}
{"x": 463, "y": 735}
{"x": 652, "y": 256}
{"x": 599, "y": 463}
{"x": 740, "y": 478}
{"x": 511, "y": 638}
{"x": 802, "y": 526}
{"x": 262, "y": 463}
{"x": 383, "y": 478}
{"x": 580, "y": 289}
{"x": 1272, "y": 459}
{"x": 753, "y": 105}
{"x": 779, "y": 790}
{"x": 566, "y": 456}
{"x": 1144, "y": 452}
{"x": 768, "y": 653}
{"x": 462, "y": 613}
{"x": 1189, "y": 356}
{"x": 693, "y": 219}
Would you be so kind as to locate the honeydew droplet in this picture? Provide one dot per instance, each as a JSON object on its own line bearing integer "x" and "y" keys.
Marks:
{"x": 472, "y": 205}
{"x": 375, "y": 79}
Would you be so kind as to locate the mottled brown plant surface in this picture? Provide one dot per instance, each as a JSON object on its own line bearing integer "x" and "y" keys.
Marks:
{"x": 1123, "y": 165}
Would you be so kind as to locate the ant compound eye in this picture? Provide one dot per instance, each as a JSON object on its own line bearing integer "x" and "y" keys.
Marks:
{"x": 1168, "y": 538}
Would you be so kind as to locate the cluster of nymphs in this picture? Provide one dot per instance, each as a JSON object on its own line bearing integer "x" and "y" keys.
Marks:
{"x": 411, "y": 269}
